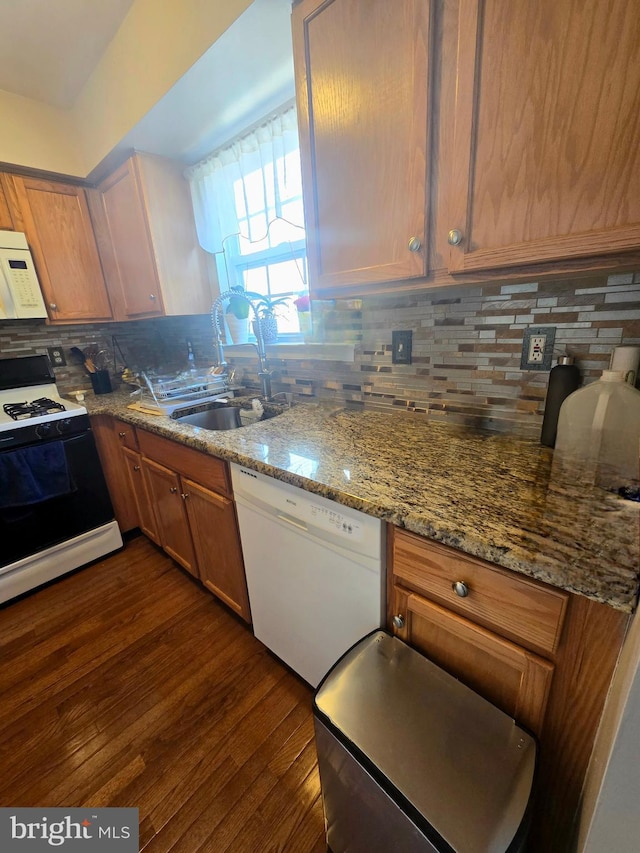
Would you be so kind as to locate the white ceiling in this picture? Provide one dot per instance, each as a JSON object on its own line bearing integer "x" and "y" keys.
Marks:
{"x": 50, "y": 47}
{"x": 244, "y": 76}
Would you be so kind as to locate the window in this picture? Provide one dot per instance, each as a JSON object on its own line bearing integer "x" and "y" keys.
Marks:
{"x": 248, "y": 205}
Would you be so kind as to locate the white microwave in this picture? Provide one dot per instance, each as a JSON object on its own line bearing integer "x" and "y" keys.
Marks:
{"x": 20, "y": 294}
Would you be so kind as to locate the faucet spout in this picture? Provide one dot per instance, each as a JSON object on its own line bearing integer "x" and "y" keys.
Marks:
{"x": 265, "y": 383}
{"x": 217, "y": 321}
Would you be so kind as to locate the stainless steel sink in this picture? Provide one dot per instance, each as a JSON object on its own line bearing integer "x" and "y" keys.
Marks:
{"x": 223, "y": 417}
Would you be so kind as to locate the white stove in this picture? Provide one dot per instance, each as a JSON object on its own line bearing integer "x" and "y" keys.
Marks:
{"x": 55, "y": 510}
{"x": 31, "y": 405}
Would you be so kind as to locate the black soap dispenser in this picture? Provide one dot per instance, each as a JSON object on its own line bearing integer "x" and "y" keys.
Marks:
{"x": 564, "y": 379}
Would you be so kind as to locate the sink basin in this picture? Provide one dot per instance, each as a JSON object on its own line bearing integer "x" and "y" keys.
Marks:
{"x": 224, "y": 417}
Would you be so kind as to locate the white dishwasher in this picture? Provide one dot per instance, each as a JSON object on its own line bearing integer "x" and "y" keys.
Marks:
{"x": 315, "y": 571}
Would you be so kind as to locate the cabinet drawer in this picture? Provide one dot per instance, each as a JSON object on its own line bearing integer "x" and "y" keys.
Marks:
{"x": 207, "y": 470}
{"x": 515, "y": 607}
{"x": 514, "y": 679}
{"x": 126, "y": 434}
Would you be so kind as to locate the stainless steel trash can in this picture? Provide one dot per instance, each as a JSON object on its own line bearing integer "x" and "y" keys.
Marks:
{"x": 412, "y": 760}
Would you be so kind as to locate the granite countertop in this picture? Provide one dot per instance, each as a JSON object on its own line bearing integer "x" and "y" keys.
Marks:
{"x": 494, "y": 496}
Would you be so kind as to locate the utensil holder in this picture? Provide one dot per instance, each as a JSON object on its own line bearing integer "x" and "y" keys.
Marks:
{"x": 101, "y": 382}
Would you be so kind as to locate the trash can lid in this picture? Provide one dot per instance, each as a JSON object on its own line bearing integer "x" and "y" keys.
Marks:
{"x": 463, "y": 764}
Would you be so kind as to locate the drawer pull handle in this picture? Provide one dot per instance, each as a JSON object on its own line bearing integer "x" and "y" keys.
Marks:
{"x": 173, "y": 490}
{"x": 184, "y": 496}
{"x": 460, "y": 588}
{"x": 136, "y": 467}
{"x": 398, "y": 621}
{"x": 122, "y": 434}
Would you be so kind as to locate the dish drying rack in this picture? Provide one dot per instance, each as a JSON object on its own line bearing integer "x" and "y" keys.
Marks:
{"x": 164, "y": 395}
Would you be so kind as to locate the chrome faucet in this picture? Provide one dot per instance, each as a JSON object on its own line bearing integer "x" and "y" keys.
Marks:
{"x": 217, "y": 320}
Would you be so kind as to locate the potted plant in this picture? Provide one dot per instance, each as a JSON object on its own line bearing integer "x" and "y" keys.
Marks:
{"x": 266, "y": 308}
{"x": 303, "y": 307}
{"x": 237, "y": 317}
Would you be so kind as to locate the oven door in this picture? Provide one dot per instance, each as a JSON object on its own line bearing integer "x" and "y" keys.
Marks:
{"x": 25, "y": 530}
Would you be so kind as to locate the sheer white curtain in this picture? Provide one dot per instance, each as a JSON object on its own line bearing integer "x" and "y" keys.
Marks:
{"x": 243, "y": 187}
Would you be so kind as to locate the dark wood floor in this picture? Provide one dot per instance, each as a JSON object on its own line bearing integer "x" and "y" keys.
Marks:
{"x": 126, "y": 684}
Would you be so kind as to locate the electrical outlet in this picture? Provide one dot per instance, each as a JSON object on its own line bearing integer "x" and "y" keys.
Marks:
{"x": 56, "y": 356}
{"x": 401, "y": 347}
{"x": 537, "y": 348}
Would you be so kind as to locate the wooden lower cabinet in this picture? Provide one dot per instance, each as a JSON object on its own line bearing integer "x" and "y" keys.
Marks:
{"x": 138, "y": 486}
{"x": 105, "y": 431}
{"x": 169, "y": 500}
{"x": 182, "y": 503}
{"x": 196, "y": 516}
{"x": 542, "y": 655}
{"x": 214, "y": 529}
{"x": 512, "y": 678}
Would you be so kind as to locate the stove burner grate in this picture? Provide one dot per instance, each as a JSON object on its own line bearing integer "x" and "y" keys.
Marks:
{"x": 34, "y": 409}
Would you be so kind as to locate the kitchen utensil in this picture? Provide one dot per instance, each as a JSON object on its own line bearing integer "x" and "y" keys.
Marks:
{"x": 86, "y": 360}
{"x": 78, "y": 354}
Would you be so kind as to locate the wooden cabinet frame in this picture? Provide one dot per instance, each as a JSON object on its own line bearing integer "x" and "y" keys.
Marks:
{"x": 556, "y": 111}
{"x": 55, "y": 218}
{"x": 561, "y": 697}
{"x": 362, "y": 207}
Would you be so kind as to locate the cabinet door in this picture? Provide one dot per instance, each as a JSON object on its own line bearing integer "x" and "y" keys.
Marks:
{"x": 518, "y": 608}
{"x": 127, "y": 434}
{"x": 217, "y": 544}
{"x": 128, "y": 256}
{"x": 60, "y": 234}
{"x": 546, "y": 164}
{"x": 515, "y": 680}
{"x": 109, "y": 451}
{"x": 166, "y": 492}
{"x": 138, "y": 486}
{"x": 362, "y": 89}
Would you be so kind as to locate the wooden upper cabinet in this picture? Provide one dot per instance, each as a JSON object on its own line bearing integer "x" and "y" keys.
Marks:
{"x": 146, "y": 233}
{"x": 6, "y": 219}
{"x": 546, "y": 164}
{"x": 55, "y": 218}
{"x": 362, "y": 73}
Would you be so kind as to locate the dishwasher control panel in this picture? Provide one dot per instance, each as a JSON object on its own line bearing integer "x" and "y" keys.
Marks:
{"x": 335, "y": 522}
{"x": 325, "y": 519}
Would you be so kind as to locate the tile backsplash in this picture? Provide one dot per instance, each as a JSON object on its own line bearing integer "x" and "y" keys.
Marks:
{"x": 467, "y": 343}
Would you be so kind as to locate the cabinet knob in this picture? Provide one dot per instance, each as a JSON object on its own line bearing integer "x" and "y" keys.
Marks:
{"x": 460, "y": 588}
{"x": 173, "y": 490}
{"x": 122, "y": 434}
{"x": 136, "y": 467}
{"x": 398, "y": 621}
{"x": 415, "y": 244}
{"x": 455, "y": 237}
{"x": 152, "y": 296}
{"x": 53, "y": 306}
{"x": 184, "y": 496}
